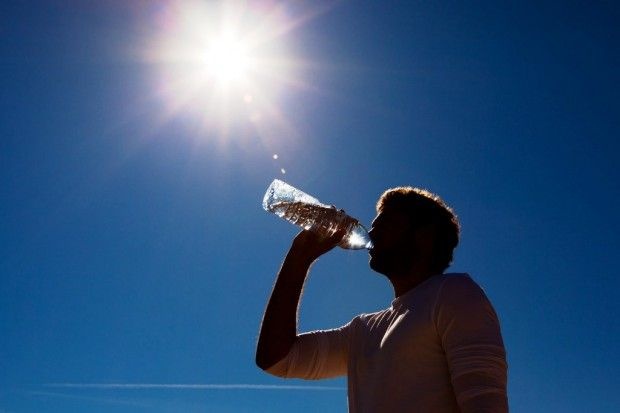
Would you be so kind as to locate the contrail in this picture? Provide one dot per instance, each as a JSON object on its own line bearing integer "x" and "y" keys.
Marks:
{"x": 191, "y": 386}
{"x": 135, "y": 403}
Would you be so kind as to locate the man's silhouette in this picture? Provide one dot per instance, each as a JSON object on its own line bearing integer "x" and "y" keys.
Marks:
{"x": 437, "y": 348}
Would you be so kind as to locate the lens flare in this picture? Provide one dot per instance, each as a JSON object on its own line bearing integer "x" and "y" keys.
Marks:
{"x": 224, "y": 66}
{"x": 223, "y": 63}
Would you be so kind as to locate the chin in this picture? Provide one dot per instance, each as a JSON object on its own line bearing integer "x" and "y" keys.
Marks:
{"x": 391, "y": 268}
{"x": 376, "y": 266}
{"x": 372, "y": 263}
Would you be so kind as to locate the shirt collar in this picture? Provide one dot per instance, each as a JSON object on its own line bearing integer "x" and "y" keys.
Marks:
{"x": 407, "y": 298}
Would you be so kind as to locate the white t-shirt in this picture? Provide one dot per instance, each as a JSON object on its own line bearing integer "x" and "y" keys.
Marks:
{"x": 437, "y": 349}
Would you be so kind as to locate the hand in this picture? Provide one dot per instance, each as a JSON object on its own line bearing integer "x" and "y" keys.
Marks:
{"x": 311, "y": 245}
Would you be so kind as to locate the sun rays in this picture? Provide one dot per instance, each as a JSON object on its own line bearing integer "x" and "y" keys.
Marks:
{"x": 225, "y": 65}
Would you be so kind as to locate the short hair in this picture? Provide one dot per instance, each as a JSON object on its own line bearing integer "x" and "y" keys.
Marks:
{"x": 422, "y": 208}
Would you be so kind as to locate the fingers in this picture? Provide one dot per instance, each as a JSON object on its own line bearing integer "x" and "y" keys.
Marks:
{"x": 313, "y": 245}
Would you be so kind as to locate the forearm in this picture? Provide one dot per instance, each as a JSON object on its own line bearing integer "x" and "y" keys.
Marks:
{"x": 279, "y": 327}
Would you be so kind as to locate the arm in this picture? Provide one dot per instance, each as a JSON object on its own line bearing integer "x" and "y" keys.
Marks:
{"x": 278, "y": 331}
{"x": 471, "y": 337}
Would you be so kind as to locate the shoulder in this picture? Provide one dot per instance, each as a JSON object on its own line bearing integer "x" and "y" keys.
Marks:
{"x": 369, "y": 320}
{"x": 457, "y": 278}
{"x": 459, "y": 283}
{"x": 460, "y": 292}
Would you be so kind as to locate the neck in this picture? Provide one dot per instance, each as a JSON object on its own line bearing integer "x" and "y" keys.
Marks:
{"x": 407, "y": 282}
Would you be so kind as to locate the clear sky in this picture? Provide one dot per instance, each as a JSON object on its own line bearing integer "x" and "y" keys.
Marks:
{"x": 135, "y": 258}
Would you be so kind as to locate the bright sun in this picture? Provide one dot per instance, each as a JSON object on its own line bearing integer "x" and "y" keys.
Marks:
{"x": 223, "y": 62}
{"x": 228, "y": 60}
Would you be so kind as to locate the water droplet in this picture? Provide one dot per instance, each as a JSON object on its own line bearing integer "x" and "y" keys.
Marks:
{"x": 283, "y": 171}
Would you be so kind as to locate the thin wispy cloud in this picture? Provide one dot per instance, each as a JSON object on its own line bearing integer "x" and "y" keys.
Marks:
{"x": 199, "y": 386}
{"x": 107, "y": 400}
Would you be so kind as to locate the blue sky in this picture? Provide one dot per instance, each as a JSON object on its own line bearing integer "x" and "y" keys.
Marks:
{"x": 134, "y": 248}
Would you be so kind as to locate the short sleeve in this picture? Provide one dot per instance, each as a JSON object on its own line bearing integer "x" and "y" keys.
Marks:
{"x": 316, "y": 355}
{"x": 470, "y": 335}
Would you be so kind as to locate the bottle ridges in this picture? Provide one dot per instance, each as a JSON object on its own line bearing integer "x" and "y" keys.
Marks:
{"x": 324, "y": 220}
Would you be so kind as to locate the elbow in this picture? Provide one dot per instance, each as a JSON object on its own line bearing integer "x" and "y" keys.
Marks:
{"x": 269, "y": 355}
{"x": 261, "y": 362}
{"x": 274, "y": 368}
{"x": 265, "y": 360}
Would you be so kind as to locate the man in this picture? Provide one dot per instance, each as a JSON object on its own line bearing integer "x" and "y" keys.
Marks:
{"x": 437, "y": 348}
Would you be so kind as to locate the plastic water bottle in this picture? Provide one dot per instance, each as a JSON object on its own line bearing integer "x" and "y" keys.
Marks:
{"x": 303, "y": 210}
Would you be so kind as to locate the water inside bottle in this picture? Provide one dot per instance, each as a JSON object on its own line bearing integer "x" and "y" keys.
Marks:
{"x": 309, "y": 213}
{"x": 318, "y": 218}
{"x": 324, "y": 220}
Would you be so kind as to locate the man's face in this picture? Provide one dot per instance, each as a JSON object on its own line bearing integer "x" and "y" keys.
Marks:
{"x": 393, "y": 247}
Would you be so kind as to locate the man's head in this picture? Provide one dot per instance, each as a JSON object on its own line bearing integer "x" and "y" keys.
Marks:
{"x": 413, "y": 226}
